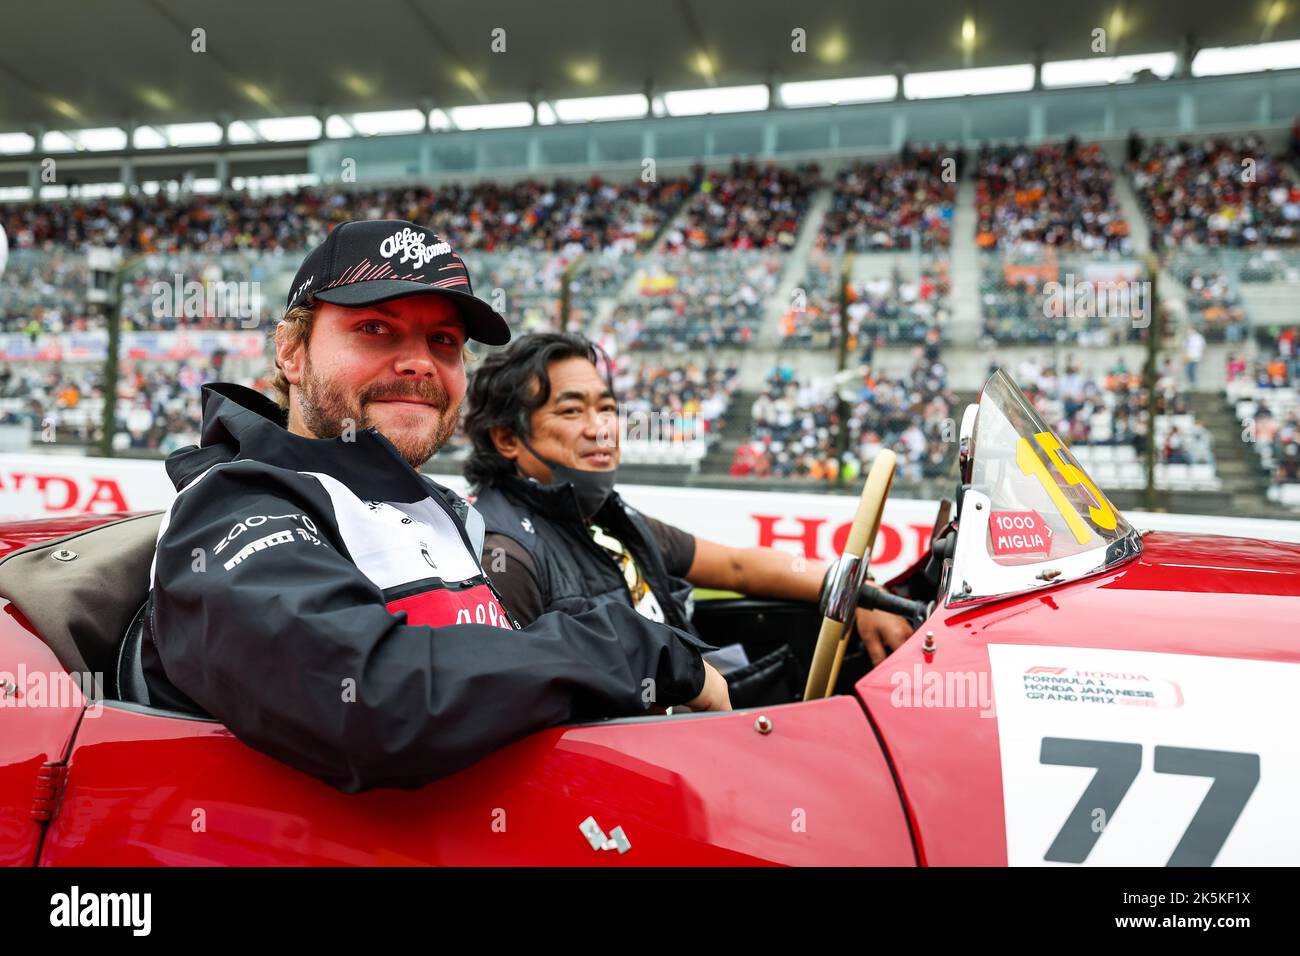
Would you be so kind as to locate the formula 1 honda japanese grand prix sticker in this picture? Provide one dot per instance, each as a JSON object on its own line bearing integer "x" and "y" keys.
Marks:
{"x": 1135, "y": 758}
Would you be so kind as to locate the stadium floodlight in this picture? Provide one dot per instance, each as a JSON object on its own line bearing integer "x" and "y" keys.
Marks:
{"x": 99, "y": 190}
{"x": 722, "y": 99}
{"x": 976, "y": 81}
{"x": 102, "y": 138}
{"x": 284, "y": 129}
{"x": 147, "y": 137}
{"x": 268, "y": 184}
{"x": 57, "y": 141}
{"x": 594, "y": 108}
{"x": 242, "y": 131}
{"x": 92, "y": 140}
{"x": 338, "y": 127}
{"x": 1109, "y": 69}
{"x": 386, "y": 122}
{"x": 190, "y": 133}
{"x": 11, "y": 143}
{"x": 1221, "y": 60}
{"x": 492, "y": 116}
{"x": 856, "y": 89}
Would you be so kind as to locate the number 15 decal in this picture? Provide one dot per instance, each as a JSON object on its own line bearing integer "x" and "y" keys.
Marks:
{"x": 1030, "y": 464}
{"x": 1235, "y": 777}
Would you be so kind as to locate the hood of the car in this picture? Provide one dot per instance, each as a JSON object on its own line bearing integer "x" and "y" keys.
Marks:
{"x": 1213, "y": 564}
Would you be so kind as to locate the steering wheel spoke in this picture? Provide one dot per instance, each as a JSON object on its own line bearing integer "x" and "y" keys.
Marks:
{"x": 840, "y": 590}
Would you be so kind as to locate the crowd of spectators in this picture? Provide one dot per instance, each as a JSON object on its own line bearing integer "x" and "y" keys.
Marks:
{"x": 44, "y": 293}
{"x": 1277, "y": 440}
{"x": 1214, "y": 304}
{"x": 1215, "y": 193}
{"x": 158, "y": 404}
{"x": 1277, "y": 360}
{"x": 1264, "y": 393}
{"x": 530, "y": 285}
{"x": 1020, "y": 306}
{"x": 751, "y": 206}
{"x": 797, "y": 429}
{"x": 544, "y": 216}
{"x": 900, "y": 203}
{"x": 1059, "y": 196}
{"x": 880, "y": 309}
{"x": 695, "y": 300}
{"x": 1087, "y": 408}
{"x": 690, "y": 399}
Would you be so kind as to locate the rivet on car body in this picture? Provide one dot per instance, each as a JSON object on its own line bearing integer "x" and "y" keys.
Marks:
{"x": 63, "y": 554}
{"x": 979, "y": 506}
{"x": 763, "y": 724}
{"x": 965, "y": 587}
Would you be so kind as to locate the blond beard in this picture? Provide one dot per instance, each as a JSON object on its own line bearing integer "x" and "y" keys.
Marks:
{"x": 327, "y": 410}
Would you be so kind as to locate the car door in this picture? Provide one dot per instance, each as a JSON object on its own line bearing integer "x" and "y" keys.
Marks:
{"x": 795, "y": 784}
{"x": 40, "y": 706}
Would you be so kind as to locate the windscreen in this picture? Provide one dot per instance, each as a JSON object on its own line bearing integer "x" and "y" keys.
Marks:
{"x": 1044, "y": 505}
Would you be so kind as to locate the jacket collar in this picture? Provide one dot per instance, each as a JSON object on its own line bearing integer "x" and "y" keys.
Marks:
{"x": 242, "y": 424}
{"x": 557, "y": 502}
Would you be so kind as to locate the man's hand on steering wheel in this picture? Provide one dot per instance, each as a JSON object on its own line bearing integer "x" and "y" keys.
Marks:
{"x": 882, "y": 633}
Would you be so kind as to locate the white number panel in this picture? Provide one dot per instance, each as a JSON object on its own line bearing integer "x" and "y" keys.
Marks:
{"x": 1147, "y": 759}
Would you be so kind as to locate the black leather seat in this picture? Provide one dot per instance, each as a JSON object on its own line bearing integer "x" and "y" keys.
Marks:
{"x": 131, "y": 686}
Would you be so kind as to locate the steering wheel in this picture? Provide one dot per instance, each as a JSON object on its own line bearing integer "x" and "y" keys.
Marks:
{"x": 840, "y": 591}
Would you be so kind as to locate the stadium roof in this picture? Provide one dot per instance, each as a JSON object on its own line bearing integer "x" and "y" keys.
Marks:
{"x": 84, "y": 65}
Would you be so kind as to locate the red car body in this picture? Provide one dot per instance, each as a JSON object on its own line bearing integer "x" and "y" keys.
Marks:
{"x": 848, "y": 780}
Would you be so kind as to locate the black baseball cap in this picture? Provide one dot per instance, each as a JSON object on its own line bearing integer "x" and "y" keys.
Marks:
{"x": 364, "y": 261}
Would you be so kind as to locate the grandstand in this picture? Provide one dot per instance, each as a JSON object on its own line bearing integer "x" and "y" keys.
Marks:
{"x": 789, "y": 285}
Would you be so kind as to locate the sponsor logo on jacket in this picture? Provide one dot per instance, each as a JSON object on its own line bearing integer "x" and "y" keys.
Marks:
{"x": 411, "y": 245}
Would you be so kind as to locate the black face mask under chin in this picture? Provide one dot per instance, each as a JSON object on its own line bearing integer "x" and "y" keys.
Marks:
{"x": 591, "y": 488}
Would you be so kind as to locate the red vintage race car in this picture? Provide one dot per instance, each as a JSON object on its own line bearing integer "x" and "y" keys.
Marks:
{"x": 1078, "y": 691}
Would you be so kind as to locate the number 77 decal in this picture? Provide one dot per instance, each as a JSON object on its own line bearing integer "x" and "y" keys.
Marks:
{"x": 1235, "y": 778}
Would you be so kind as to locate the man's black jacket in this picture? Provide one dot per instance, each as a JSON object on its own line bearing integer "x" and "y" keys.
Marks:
{"x": 325, "y": 601}
{"x": 573, "y": 572}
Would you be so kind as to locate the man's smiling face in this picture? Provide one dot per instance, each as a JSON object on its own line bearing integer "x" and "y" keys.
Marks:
{"x": 397, "y": 365}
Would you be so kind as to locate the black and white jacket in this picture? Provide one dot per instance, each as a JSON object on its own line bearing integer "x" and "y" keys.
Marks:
{"x": 325, "y": 601}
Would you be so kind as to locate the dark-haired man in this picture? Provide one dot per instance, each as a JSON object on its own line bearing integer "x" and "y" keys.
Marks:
{"x": 543, "y": 423}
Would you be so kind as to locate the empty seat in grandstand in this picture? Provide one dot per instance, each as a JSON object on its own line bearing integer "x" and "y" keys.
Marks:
{"x": 1289, "y": 495}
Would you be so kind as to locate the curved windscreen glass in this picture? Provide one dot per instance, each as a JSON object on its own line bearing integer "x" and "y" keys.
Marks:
{"x": 1044, "y": 505}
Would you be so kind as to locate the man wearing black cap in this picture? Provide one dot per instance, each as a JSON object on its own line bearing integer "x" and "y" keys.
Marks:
{"x": 322, "y": 598}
